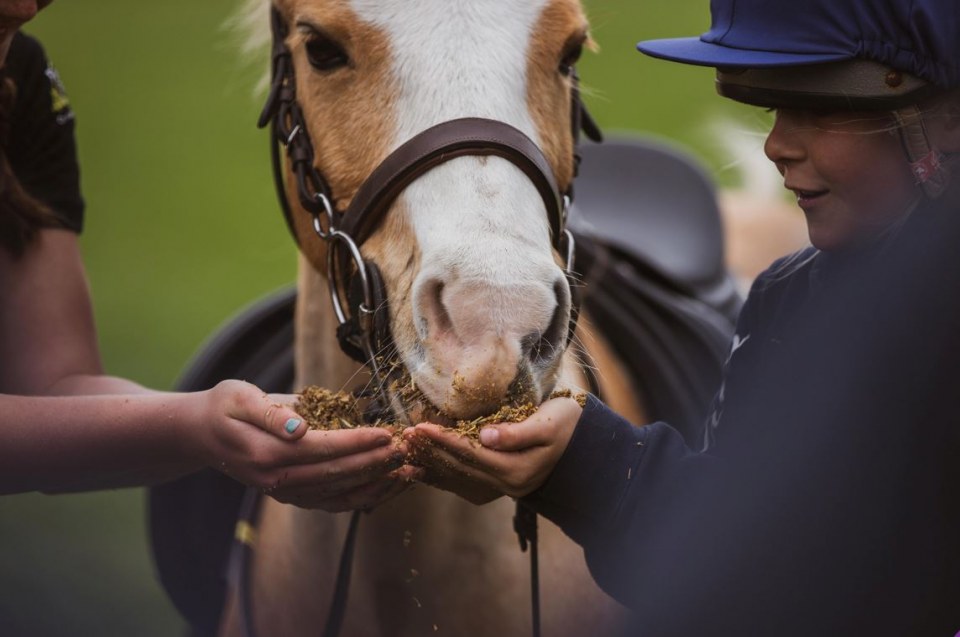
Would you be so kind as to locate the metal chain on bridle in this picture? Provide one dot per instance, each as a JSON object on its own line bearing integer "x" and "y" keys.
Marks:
{"x": 356, "y": 288}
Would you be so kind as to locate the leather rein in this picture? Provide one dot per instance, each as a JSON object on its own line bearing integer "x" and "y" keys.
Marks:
{"x": 356, "y": 288}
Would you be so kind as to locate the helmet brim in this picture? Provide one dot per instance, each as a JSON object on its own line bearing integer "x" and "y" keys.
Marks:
{"x": 851, "y": 85}
{"x": 696, "y": 51}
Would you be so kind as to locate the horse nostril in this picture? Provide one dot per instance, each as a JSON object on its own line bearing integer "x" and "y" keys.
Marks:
{"x": 442, "y": 317}
{"x": 434, "y": 318}
{"x": 532, "y": 346}
{"x": 544, "y": 346}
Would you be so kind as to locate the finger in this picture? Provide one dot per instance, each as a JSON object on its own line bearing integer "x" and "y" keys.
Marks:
{"x": 395, "y": 488}
{"x": 439, "y": 436}
{"x": 409, "y": 474}
{"x": 449, "y": 472}
{"x": 554, "y": 419}
{"x": 462, "y": 482}
{"x": 425, "y": 437}
{"x": 359, "y": 468}
{"x": 259, "y": 459}
{"x": 273, "y": 416}
{"x": 318, "y": 446}
{"x": 514, "y": 473}
{"x": 284, "y": 399}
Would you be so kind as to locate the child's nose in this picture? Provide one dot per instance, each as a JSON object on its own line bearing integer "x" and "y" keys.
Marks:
{"x": 784, "y": 143}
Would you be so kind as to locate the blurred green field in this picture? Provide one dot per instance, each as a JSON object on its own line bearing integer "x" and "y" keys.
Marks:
{"x": 183, "y": 230}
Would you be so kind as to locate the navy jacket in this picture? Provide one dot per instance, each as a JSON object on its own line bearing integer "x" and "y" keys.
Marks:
{"x": 827, "y": 500}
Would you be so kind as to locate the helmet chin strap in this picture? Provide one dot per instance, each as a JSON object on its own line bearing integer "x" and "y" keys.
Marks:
{"x": 926, "y": 163}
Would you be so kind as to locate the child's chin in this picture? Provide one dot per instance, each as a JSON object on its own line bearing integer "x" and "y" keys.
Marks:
{"x": 829, "y": 239}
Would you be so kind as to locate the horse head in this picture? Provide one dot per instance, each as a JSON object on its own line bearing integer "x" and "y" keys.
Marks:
{"x": 479, "y": 302}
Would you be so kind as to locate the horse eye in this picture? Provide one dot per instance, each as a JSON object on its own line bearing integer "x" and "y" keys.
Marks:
{"x": 570, "y": 56}
{"x": 324, "y": 54}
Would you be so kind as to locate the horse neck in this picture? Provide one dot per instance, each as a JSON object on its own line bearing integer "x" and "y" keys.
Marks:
{"x": 615, "y": 386}
{"x": 317, "y": 355}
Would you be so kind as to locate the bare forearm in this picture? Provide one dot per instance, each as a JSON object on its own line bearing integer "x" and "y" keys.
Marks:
{"x": 95, "y": 384}
{"x": 90, "y": 442}
{"x": 66, "y": 427}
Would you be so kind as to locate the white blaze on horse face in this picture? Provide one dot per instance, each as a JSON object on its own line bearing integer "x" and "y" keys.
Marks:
{"x": 489, "y": 289}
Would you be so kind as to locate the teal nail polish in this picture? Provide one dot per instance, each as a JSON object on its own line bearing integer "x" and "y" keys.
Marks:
{"x": 292, "y": 425}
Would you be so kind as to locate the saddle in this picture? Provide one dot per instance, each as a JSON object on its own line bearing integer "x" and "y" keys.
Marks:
{"x": 650, "y": 251}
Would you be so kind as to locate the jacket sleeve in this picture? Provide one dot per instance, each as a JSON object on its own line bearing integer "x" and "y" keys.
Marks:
{"x": 824, "y": 508}
{"x": 608, "y": 486}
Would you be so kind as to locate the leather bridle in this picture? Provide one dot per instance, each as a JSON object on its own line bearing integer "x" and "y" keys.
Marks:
{"x": 364, "y": 327}
{"x": 356, "y": 287}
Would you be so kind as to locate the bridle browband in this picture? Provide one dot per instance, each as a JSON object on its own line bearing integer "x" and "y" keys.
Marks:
{"x": 356, "y": 287}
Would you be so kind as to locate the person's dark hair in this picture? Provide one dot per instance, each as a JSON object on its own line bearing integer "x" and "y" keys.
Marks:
{"x": 21, "y": 215}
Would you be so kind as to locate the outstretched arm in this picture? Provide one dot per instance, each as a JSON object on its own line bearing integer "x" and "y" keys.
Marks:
{"x": 66, "y": 427}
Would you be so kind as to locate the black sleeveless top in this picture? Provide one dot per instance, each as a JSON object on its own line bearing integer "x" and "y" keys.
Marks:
{"x": 41, "y": 147}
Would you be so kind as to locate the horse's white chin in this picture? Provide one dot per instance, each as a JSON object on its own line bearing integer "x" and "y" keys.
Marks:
{"x": 473, "y": 391}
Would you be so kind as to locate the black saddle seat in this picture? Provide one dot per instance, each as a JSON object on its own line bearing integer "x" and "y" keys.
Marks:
{"x": 650, "y": 250}
{"x": 651, "y": 199}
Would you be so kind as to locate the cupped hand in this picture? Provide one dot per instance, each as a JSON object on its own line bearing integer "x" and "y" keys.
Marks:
{"x": 259, "y": 440}
{"x": 444, "y": 460}
{"x": 512, "y": 458}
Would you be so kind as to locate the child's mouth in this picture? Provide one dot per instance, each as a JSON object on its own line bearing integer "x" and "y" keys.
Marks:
{"x": 808, "y": 197}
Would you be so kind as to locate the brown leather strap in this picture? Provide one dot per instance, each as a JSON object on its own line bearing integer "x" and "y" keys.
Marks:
{"x": 439, "y": 144}
{"x": 924, "y": 160}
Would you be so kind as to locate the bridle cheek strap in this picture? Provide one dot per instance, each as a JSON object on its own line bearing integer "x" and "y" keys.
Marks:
{"x": 926, "y": 162}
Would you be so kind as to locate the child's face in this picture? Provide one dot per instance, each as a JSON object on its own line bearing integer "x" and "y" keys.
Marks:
{"x": 848, "y": 170}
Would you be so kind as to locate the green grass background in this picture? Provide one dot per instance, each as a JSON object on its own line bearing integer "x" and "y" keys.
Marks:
{"x": 183, "y": 230}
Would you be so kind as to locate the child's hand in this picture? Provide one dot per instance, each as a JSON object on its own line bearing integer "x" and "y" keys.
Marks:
{"x": 259, "y": 440}
{"x": 515, "y": 459}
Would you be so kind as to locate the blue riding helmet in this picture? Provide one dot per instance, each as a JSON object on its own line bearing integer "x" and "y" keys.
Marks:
{"x": 822, "y": 53}
{"x": 834, "y": 55}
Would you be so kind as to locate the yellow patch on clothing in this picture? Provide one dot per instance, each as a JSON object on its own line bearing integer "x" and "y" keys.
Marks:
{"x": 58, "y": 94}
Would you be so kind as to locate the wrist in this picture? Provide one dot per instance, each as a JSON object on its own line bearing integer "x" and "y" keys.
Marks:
{"x": 184, "y": 422}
